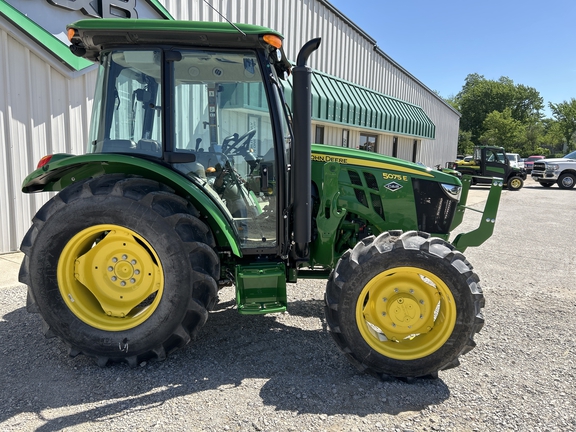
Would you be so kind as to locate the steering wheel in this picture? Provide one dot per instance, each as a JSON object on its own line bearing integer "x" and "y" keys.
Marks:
{"x": 237, "y": 145}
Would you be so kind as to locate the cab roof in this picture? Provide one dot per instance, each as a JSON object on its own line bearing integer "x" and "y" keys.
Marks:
{"x": 91, "y": 36}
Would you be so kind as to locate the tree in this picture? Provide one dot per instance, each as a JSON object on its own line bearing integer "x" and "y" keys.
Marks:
{"x": 465, "y": 144}
{"x": 565, "y": 115}
{"x": 500, "y": 129}
{"x": 480, "y": 97}
{"x": 553, "y": 138}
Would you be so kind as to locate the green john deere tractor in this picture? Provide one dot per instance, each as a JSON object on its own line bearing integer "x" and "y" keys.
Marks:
{"x": 197, "y": 176}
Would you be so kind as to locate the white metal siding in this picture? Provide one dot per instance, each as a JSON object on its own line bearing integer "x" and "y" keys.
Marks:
{"x": 45, "y": 108}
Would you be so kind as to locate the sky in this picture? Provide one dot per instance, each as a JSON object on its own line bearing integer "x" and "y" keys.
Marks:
{"x": 440, "y": 42}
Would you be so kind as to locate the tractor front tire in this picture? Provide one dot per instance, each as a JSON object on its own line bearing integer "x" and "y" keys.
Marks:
{"x": 120, "y": 269}
{"x": 404, "y": 305}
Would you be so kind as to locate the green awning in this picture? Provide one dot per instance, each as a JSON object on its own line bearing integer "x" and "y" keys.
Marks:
{"x": 337, "y": 101}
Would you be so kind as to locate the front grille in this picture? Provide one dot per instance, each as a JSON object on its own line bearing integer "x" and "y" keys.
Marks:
{"x": 539, "y": 166}
{"x": 364, "y": 193}
{"x": 434, "y": 209}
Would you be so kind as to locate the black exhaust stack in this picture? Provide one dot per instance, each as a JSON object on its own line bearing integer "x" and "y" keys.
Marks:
{"x": 302, "y": 150}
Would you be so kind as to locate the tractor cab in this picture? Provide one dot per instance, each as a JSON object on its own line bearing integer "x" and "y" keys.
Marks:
{"x": 215, "y": 115}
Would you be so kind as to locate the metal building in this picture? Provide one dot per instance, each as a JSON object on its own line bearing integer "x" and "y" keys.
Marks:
{"x": 368, "y": 101}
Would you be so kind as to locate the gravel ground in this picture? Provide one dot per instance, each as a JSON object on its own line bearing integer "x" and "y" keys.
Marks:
{"x": 283, "y": 372}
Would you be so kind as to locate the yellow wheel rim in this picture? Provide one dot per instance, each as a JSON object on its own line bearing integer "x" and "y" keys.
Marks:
{"x": 406, "y": 313}
{"x": 110, "y": 277}
{"x": 515, "y": 183}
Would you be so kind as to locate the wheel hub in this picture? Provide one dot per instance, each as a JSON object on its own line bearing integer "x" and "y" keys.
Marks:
{"x": 405, "y": 313}
{"x": 110, "y": 271}
{"x": 124, "y": 271}
{"x": 404, "y": 309}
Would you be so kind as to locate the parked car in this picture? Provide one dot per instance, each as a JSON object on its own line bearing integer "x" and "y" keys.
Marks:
{"x": 529, "y": 162}
{"x": 466, "y": 160}
{"x": 514, "y": 159}
{"x": 561, "y": 171}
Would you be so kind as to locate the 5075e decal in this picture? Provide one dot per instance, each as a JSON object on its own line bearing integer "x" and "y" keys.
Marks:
{"x": 389, "y": 176}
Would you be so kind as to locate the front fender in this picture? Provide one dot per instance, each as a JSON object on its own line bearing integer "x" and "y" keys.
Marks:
{"x": 64, "y": 170}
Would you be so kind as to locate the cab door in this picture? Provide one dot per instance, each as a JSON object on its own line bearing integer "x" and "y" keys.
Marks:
{"x": 494, "y": 163}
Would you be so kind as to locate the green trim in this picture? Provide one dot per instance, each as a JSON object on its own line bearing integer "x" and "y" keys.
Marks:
{"x": 47, "y": 40}
{"x": 335, "y": 100}
{"x": 50, "y": 42}
{"x": 160, "y": 9}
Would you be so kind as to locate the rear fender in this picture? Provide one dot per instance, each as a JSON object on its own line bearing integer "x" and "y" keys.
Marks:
{"x": 64, "y": 170}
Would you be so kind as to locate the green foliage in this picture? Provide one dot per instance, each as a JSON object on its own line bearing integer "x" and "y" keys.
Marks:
{"x": 453, "y": 102}
{"x": 480, "y": 97}
{"x": 565, "y": 115}
{"x": 552, "y": 139}
{"x": 501, "y": 113}
{"x": 465, "y": 144}
{"x": 501, "y": 129}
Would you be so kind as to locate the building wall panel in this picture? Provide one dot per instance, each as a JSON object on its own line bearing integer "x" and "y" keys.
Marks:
{"x": 44, "y": 109}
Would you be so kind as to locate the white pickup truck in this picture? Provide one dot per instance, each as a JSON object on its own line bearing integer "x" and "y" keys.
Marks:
{"x": 558, "y": 170}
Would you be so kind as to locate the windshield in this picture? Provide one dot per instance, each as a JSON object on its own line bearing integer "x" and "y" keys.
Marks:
{"x": 222, "y": 116}
{"x": 494, "y": 155}
{"x": 571, "y": 155}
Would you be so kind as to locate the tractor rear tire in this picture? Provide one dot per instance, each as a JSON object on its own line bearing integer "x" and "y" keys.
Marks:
{"x": 120, "y": 269}
{"x": 404, "y": 305}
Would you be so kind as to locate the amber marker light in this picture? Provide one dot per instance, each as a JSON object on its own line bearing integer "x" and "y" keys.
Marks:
{"x": 71, "y": 34}
{"x": 273, "y": 40}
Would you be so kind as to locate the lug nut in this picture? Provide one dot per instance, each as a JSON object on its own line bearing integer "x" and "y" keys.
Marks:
{"x": 114, "y": 259}
{"x": 133, "y": 262}
{"x": 114, "y": 278}
{"x": 132, "y": 280}
{"x": 124, "y": 257}
{"x": 137, "y": 272}
{"x": 110, "y": 268}
{"x": 122, "y": 283}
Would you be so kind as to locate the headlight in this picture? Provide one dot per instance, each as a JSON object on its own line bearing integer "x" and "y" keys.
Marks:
{"x": 552, "y": 167}
{"x": 453, "y": 191}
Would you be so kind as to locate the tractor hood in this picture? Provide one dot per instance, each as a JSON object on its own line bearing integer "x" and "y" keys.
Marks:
{"x": 388, "y": 164}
